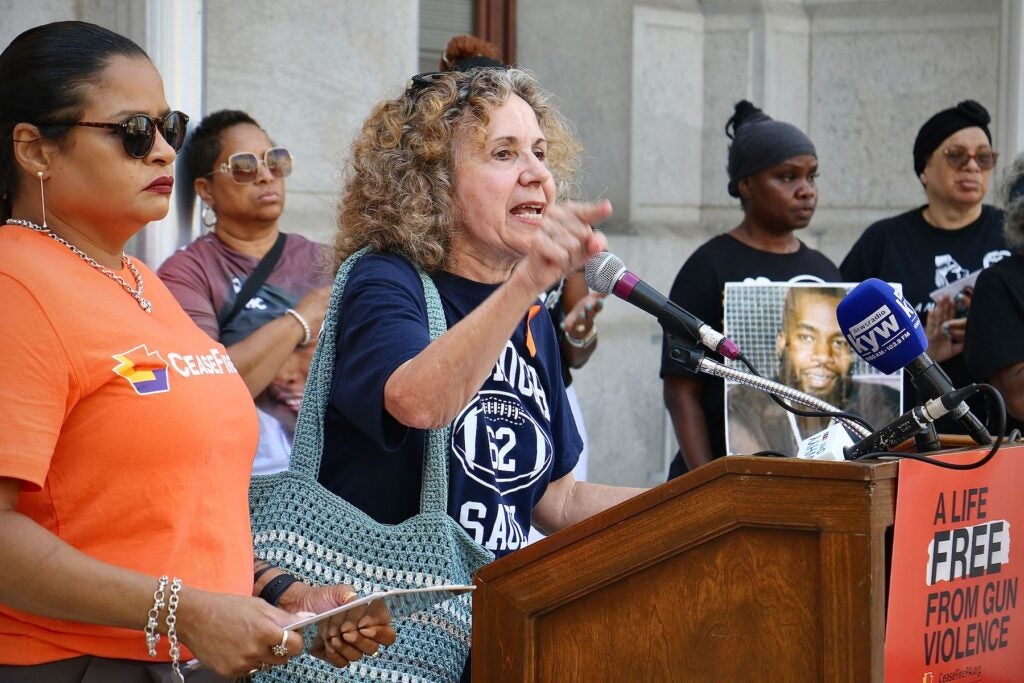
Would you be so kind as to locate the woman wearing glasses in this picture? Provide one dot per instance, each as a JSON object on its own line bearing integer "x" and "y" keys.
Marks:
{"x": 239, "y": 176}
{"x": 127, "y": 434}
{"x": 951, "y": 237}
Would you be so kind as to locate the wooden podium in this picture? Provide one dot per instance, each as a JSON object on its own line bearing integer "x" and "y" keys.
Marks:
{"x": 747, "y": 569}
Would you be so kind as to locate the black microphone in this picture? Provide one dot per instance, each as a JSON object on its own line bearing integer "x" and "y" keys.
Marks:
{"x": 606, "y": 273}
{"x": 909, "y": 423}
{"x": 883, "y": 329}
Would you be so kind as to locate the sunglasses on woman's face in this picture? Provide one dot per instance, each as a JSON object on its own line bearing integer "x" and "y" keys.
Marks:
{"x": 244, "y": 167}
{"x": 958, "y": 157}
{"x": 138, "y": 131}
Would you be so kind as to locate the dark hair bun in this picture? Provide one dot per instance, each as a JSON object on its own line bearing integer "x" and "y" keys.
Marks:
{"x": 464, "y": 47}
{"x": 973, "y": 111}
{"x": 743, "y": 112}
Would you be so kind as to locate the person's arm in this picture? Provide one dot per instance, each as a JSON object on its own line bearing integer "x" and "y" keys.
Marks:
{"x": 259, "y": 356}
{"x": 682, "y": 397}
{"x": 580, "y": 307}
{"x": 461, "y": 358}
{"x": 1010, "y": 383}
{"x": 45, "y": 576}
{"x": 567, "y": 501}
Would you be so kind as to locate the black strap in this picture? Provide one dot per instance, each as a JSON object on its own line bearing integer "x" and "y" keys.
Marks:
{"x": 256, "y": 279}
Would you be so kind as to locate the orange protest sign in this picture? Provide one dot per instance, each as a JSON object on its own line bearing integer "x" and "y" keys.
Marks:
{"x": 955, "y": 612}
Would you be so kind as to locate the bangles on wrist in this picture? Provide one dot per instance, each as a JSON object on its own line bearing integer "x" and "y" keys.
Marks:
{"x": 152, "y": 622}
{"x": 583, "y": 343}
{"x": 307, "y": 331}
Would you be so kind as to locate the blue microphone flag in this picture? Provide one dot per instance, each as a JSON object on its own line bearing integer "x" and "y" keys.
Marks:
{"x": 881, "y": 326}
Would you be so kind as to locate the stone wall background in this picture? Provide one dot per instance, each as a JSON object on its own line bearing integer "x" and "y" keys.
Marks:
{"x": 649, "y": 86}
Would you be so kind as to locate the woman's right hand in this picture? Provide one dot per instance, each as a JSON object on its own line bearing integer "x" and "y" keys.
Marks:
{"x": 233, "y": 634}
{"x": 565, "y": 242}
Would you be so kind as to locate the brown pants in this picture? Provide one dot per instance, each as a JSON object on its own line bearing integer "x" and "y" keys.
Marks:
{"x": 89, "y": 669}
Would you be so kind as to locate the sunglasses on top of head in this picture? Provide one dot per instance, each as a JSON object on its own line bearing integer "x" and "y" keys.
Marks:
{"x": 244, "y": 167}
{"x": 138, "y": 131}
{"x": 426, "y": 80}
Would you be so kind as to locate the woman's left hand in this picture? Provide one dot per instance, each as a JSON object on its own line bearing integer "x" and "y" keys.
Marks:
{"x": 580, "y": 320}
{"x": 945, "y": 331}
{"x": 346, "y": 637}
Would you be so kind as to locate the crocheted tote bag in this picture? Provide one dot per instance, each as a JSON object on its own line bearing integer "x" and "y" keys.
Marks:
{"x": 301, "y": 527}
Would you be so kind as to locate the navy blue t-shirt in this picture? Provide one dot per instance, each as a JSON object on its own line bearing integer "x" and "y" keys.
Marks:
{"x": 515, "y": 435}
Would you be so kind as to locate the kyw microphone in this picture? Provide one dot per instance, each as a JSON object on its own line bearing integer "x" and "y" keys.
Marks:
{"x": 909, "y": 423}
{"x": 884, "y": 330}
{"x": 606, "y": 273}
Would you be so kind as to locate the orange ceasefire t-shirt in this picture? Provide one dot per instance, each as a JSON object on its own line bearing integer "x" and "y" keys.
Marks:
{"x": 133, "y": 434}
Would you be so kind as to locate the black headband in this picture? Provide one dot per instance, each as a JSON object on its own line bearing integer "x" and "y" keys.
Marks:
{"x": 760, "y": 142}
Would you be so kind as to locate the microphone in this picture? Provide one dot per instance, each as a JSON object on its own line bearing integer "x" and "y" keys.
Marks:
{"x": 909, "y": 423}
{"x": 606, "y": 273}
{"x": 883, "y": 329}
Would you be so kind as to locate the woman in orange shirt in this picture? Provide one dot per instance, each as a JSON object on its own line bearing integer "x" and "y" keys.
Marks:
{"x": 128, "y": 434}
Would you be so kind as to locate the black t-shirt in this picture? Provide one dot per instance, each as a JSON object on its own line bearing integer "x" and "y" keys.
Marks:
{"x": 909, "y": 250}
{"x": 995, "y": 328}
{"x": 699, "y": 288}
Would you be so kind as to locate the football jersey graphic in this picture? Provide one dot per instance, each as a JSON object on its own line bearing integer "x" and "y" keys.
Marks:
{"x": 499, "y": 444}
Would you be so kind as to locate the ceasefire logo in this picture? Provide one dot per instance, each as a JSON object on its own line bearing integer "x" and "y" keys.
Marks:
{"x": 144, "y": 370}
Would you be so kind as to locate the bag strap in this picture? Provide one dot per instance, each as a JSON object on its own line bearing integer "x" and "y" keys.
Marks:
{"x": 256, "y": 279}
{"x": 307, "y": 447}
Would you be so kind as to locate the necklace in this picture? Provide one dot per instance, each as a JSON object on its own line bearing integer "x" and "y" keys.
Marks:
{"x": 136, "y": 291}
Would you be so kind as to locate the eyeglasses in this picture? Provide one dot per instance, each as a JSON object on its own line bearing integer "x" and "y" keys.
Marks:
{"x": 138, "y": 131}
{"x": 958, "y": 157}
{"x": 244, "y": 167}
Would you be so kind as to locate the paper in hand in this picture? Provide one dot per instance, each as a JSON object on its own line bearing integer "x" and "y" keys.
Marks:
{"x": 400, "y": 602}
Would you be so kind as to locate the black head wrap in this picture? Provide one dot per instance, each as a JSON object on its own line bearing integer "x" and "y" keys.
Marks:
{"x": 760, "y": 142}
{"x": 967, "y": 114}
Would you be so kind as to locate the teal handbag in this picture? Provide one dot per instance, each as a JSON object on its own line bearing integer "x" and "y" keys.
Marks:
{"x": 303, "y": 528}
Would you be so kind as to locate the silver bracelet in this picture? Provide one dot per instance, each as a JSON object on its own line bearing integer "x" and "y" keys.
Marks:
{"x": 152, "y": 635}
{"x": 172, "y": 634}
{"x": 307, "y": 331}
{"x": 585, "y": 342}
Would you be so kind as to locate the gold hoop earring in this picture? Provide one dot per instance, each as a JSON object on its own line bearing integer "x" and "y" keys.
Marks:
{"x": 42, "y": 197}
{"x": 208, "y": 216}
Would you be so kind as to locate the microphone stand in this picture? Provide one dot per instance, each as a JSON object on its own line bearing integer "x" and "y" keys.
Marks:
{"x": 927, "y": 440}
{"x": 694, "y": 360}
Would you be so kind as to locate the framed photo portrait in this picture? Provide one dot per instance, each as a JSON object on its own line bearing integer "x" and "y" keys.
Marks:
{"x": 789, "y": 332}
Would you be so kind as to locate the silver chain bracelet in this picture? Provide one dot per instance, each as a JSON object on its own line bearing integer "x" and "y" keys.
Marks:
{"x": 152, "y": 635}
{"x": 172, "y": 635}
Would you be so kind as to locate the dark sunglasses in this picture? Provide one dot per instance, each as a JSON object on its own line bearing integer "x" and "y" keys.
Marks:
{"x": 958, "y": 157}
{"x": 138, "y": 131}
{"x": 244, "y": 167}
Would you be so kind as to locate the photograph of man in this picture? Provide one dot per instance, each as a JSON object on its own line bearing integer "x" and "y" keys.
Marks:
{"x": 813, "y": 356}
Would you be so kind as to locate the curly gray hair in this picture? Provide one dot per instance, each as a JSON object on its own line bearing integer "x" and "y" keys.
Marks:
{"x": 1011, "y": 196}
